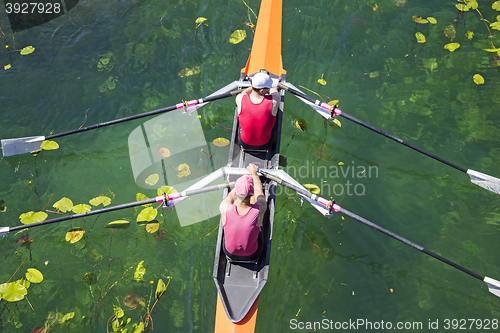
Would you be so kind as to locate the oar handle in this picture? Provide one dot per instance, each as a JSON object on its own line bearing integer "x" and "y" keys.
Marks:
{"x": 198, "y": 191}
{"x": 178, "y": 106}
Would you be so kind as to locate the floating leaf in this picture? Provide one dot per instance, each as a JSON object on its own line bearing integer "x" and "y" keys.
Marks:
{"x": 469, "y": 34}
{"x": 201, "y": 20}
{"x": 419, "y": 19}
{"x": 452, "y": 46}
{"x": 139, "y": 271}
{"x": 49, "y": 145}
{"x": 27, "y": 50}
{"x": 152, "y": 226}
{"x": 32, "y": 217}
{"x": 237, "y": 36}
{"x": 164, "y": 152}
{"x": 13, "y": 291}
{"x": 312, "y": 188}
{"x": 109, "y": 84}
{"x": 100, "y": 200}
{"x": 152, "y": 179}
{"x": 6, "y": 67}
{"x": 341, "y": 163}
{"x": 118, "y": 224}
{"x": 64, "y": 205}
{"x": 118, "y": 311}
{"x": 373, "y": 74}
{"x": 138, "y": 328}
{"x": 334, "y": 102}
{"x": 133, "y": 301}
{"x": 301, "y": 124}
{"x": 221, "y": 142}
{"x": 90, "y": 278}
{"x": 34, "y": 275}
{"x": 190, "y": 71}
{"x": 160, "y": 288}
{"x": 496, "y": 5}
{"x": 432, "y": 20}
{"x": 450, "y": 31}
{"x": 478, "y": 79}
{"x": 81, "y": 208}
{"x": 322, "y": 81}
{"x": 147, "y": 214}
{"x": 472, "y": 4}
{"x": 420, "y": 37}
{"x": 74, "y": 235}
{"x": 492, "y": 50}
{"x": 66, "y": 317}
{"x": 495, "y": 25}
{"x": 183, "y": 170}
{"x": 337, "y": 122}
{"x": 140, "y": 197}
{"x": 166, "y": 190}
{"x": 462, "y": 7}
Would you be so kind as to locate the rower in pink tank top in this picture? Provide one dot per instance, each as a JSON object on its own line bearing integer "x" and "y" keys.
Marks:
{"x": 241, "y": 231}
{"x": 256, "y": 120}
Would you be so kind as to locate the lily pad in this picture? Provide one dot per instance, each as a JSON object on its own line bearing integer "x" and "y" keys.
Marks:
{"x": 183, "y": 170}
{"x": 81, "y": 208}
{"x": 49, "y": 145}
{"x": 420, "y": 37}
{"x": 13, "y": 291}
{"x": 140, "y": 197}
{"x": 160, "y": 288}
{"x": 27, "y": 50}
{"x": 190, "y": 71}
{"x": 34, "y": 275}
{"x": 152, "y": 226}
{"x": 221, "y": 142}
{"x": 100, "y": 200}
{"x": 118, "y": 224}
{"x": 32, "y": 217}
{"x": 64, "y": 205}
{"x": 164, "y": 152}
{"x": 147, "y": 214}
{"x": 74, "y": 235}
{"x": 133, "y": 301}
{"x": 237, "y": 36}
{"x": 301, "y": 124}
{"x": 152, "y": 179}
{"x": 478, "y": 79}
{"x": 166, "y": 190}
{"x": 432, "y": 20}
{"x": 452, "y": 46}
{"x": 139, "y": 272}
{"x": 66, "y": 317}
{"x": 312, "y": 188}
{"x": 496, "y": 5}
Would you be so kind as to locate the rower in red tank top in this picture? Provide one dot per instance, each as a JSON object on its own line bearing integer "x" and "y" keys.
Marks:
{"x": 257, "y": 109}
{"x": 242, "y": 212}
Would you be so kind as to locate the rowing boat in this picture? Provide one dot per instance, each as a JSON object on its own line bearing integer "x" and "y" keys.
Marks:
{"x": 240, "y": 283}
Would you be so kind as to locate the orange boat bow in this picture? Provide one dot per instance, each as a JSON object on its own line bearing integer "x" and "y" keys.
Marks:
{"x": 266, "y": 47}
{"x": 224, "y": 325}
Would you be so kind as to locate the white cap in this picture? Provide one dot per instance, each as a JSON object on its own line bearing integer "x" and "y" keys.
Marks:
{"x": 262, "y": 81}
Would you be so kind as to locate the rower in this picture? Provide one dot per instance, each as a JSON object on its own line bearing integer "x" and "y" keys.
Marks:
{"x": 242, "y": 212}
{"x": 257, "y": 108}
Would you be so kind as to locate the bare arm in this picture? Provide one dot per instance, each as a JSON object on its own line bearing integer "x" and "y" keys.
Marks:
{"x": 276, "y": 100}
{"x": 229, "y": 200}
{"x": 258, "y": 194}
{"x": 247, "y": 91}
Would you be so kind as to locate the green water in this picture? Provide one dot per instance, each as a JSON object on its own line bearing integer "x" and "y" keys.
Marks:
{"x": 335, "y": 269}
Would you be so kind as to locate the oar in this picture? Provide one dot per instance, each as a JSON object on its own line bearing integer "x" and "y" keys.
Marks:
{"x": 19, "y": 146}
{"x": 162, "y": 198}
{"x": 485, "y": 181}
{"x": 493, "y": 285}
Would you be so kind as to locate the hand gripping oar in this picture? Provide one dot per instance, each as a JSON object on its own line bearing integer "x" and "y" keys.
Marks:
{"x": 485, "y": 181}
{"x": 162, "y": 198}
{"x": 493, "y": 285}
{"x": 19, "y": 146}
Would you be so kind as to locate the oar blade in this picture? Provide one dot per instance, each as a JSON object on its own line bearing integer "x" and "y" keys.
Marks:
{"x": 493, "y": 286}
{"x": 11, "y": 147}
{"x": 4, "y": 231}
{"x": 485, "y": 181}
